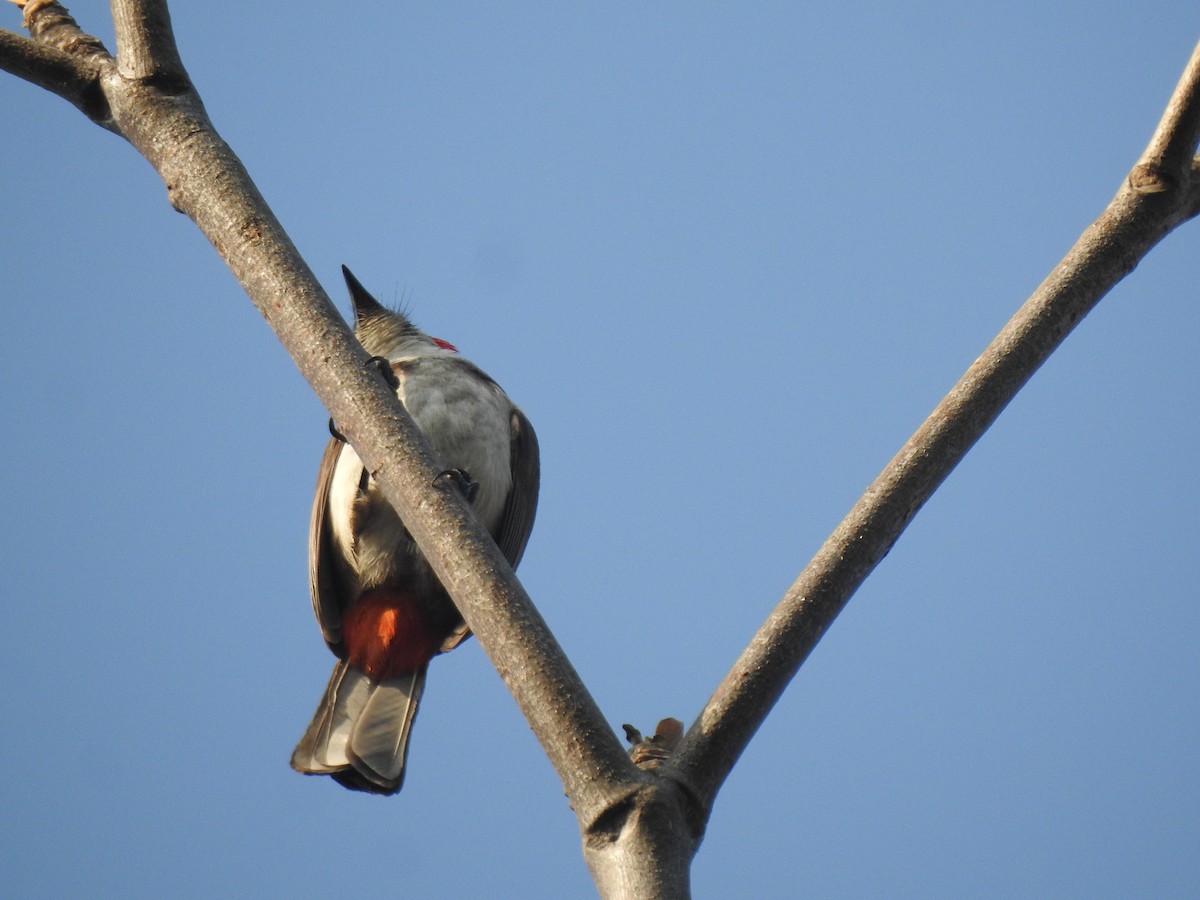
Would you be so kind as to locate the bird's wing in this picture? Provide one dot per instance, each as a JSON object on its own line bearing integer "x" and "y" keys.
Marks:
{"x": 521, "y": 506}
{"x": 322, "y": 578}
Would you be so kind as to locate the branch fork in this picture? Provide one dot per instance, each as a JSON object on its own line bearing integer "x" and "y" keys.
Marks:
{"x": 641, "y": 826}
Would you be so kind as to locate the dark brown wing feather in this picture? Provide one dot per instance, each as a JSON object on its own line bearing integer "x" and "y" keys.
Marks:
{"x": 521, "y": 506}
{"x": 322, "y": 579}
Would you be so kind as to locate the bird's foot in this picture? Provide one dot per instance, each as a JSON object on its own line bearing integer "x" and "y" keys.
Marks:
{"x": 385, "y": 369}
{"x": 461, "y": 481}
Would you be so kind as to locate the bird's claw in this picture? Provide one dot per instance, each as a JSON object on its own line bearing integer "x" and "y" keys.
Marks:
{"x": 461, "y": 480}
{"x": 385, "y": 369}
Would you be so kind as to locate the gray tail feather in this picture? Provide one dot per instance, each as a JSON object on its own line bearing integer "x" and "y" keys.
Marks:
{"x": 359, "y": 734}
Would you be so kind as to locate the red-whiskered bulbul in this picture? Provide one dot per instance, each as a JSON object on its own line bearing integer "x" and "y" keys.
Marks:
{"x": 381, "y": 608}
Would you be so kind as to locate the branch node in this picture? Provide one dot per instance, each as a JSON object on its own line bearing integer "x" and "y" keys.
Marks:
{"x": 1148, "y": 178}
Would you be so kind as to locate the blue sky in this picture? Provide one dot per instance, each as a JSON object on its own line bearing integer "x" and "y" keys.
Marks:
{"x": 726, "y": 260}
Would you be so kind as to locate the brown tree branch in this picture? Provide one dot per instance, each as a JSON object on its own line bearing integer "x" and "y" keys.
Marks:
{"x": 162, "y": 116}
{"x": 1169, "y": 158}
{"x": 74, "y": 76}
{"x": 146, "y": 43}
{"x": 1160, "y": 194}
{"x": 50, "y": 23}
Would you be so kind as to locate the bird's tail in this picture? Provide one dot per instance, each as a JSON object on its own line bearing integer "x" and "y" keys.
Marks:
{"x": 359, "y": 734}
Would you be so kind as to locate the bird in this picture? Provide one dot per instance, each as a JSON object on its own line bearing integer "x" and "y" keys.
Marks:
{"x": 381, "y": 609}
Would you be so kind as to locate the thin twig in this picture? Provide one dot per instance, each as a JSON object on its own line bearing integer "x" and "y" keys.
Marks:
{"x": 49, "y": 22}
